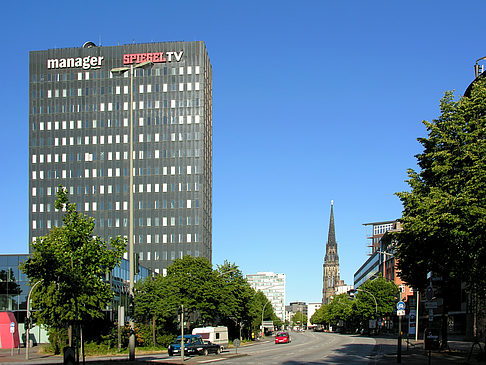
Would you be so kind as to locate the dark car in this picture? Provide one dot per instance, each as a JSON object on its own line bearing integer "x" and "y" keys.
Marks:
{"x": 282, "y": 337}
{"x": 193, "y": 345}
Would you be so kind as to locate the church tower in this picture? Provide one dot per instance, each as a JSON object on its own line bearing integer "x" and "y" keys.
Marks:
{"x": 331, "y": 278}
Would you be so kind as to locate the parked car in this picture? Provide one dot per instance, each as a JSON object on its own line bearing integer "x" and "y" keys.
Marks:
{"x": 193, "y": 345}
{"x": 282, "y": 337}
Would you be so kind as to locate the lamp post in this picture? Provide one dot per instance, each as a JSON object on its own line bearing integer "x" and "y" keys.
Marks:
{"x": 263, "y": 311}
{"x": 27, "y": 334}
{"x": 131, "y": 256}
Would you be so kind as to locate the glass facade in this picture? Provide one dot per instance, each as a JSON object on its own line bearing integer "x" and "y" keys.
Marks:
{"x": 14, "y": 285}
{"x": 79, "y": 123}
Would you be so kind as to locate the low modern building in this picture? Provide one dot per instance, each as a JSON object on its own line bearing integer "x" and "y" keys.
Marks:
{"x": 273, "y": 286}
{"x": 14, "y": 290}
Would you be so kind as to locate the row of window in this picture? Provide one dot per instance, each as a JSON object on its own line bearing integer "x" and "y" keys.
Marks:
{"x": 114, "y": 172}
{"x": 93, "y": 75}
{"x": 165, "y": 255}
{"x": 94, "y": 140}
{"x": 147, "y": 121}
{"x": 141, "y": 204}
{"x": 88, "y": 190}
{"x": 157, "y": 188}
{"x": 78, "y": 108}
{"x": 117, "y": 155}
{"x": 117, "y": 90}
{"x": 118, "y": 222}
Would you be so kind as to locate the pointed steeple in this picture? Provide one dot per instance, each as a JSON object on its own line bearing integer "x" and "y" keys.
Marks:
{"x": 331, "y": 275}
{"x": 331, "y": 237}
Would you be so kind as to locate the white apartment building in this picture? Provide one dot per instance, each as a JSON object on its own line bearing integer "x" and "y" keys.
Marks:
{"x": 273, "y": 286}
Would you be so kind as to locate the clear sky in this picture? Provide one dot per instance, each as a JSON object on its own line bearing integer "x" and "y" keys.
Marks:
{"x": 313, "y": 101}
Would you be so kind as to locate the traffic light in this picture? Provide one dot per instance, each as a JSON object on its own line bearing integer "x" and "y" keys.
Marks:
{"x": 131, "y": 306}
{"x": 27, "y": 323}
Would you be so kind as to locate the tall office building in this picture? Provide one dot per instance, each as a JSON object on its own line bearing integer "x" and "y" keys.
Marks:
{"x": 79, "y": 137}
{"x": 273, "y": 286}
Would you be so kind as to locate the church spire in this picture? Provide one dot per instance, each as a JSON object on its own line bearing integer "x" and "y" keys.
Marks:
{"x": 331, "y": 277}
{"x": 331, "y": 237}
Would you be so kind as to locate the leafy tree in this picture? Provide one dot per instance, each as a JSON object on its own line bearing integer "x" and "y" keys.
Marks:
{"x": 299, "y": 318}
{"x": 190, "y": 281}
{"x": 385, "y": 292}
{"x": 444, "y": 216}
{"x": 70, "y": 264}
{"x": 235, "y": 298}
{"x": 338, "y": 309}
{"x": 259, "y": 303}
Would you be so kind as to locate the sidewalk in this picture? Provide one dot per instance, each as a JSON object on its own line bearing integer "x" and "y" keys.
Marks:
{"x": 35, "y": 357}
{"x": 458, "y": 353}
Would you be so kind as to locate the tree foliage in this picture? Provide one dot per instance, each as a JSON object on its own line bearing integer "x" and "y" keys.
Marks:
{"x": 70, "y": 264}
{"x": 362, "y": 307}
{"x": 340, "y": 308}
{"x": 444, "y": 216}
{"x": 386, "y": 295}
{"x": 299, "y": 318}
{"x": 210, "y": 297}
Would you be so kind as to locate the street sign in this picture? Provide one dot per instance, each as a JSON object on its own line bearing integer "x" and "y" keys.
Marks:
{"x": 401, "y": 312}
{"x": 401, "y": 305}
{"x": 430, "y": 305}
{"x": 12, "y": 327}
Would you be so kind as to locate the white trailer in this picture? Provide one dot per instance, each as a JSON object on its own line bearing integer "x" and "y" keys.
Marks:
{"x": 217, "y": 335}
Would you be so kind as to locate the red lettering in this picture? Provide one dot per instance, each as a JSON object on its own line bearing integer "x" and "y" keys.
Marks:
{"x": 142, "y": 57}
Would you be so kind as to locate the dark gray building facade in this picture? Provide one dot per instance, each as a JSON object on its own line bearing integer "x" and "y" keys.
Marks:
{"x": 79, "y": 115}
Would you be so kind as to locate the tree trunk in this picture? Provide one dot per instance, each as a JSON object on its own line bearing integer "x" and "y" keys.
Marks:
{"x": 153, "y": 330}
{"x": 70, "y": 335}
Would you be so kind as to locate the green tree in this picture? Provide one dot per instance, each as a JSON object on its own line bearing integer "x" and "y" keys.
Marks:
{"x": 299, "y": 318}
{"x": 190, "y": 281}
{"x": 235, "y": 298}
{"x": 259, "y": 304}
{"x": 71, "y": 264}
{"x": 444, "y": 216}
{"x": 338, "y": 309}
{"x": 386, "y": 295}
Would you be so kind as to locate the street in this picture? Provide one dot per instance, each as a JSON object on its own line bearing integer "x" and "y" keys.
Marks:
{"x": 309, "y": 348}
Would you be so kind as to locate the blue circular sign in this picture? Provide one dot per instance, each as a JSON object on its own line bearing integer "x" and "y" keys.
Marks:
{"x": 401, "y": 305}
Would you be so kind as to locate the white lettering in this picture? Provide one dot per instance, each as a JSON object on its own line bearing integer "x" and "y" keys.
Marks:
{"x": 178, "y": 56}
{"x": 85, "y": 63}
{"x": 169, "y": 56}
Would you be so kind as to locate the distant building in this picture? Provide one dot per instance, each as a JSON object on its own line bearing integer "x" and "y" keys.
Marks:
{"x": 370, "y": 269}
{"x": 295, "y": 307}
{"x": 331, "y": 277}
{"x": 311, "y": 309}
{"x": 378, "y": 229}
{"x": 273, "y": 286}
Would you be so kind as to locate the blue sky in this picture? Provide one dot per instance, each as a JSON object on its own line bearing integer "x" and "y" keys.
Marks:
{"x": 313, "y": 101}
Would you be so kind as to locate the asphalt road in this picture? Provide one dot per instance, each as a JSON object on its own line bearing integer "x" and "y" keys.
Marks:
{"x": 310, "y": 348}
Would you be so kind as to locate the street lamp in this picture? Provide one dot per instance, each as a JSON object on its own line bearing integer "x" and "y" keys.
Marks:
{"x": 374, "y": 298}
{"x": 131, "y": 257}
{"x": 27, "y": 340}
{"x": 263, "y": 311}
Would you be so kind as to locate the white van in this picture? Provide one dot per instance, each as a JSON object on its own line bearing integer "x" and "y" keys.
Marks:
{"x": 217, "y": 335}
